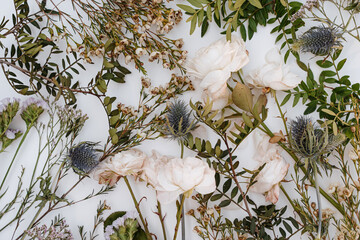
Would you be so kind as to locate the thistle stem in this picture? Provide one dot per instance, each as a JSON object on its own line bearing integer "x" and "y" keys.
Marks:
{"x": 178, "y": 217}
{"x": 182, "y": 197}
{"x": 137, "y": 207}
{"x": 318, "y": 196}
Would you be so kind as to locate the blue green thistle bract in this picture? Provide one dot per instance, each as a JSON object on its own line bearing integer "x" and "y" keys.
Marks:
{"x": 318, "y": 40}
{"x": 179, "y": 122}
{"x": 311, "y": 142}
{"x": 83, "y": 157}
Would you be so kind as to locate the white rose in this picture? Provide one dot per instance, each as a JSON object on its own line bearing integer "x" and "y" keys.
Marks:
{"x": 179, "y": 176}
{"x": 151, "y": 167}
{"x": 267, "y": 181}
{"x": 269, "y": 178}
{"x": 213, "y": 66}
{"x": 121, "y": 164}
{"x": 220, "y": 55}
{"x": 273, "y": 74}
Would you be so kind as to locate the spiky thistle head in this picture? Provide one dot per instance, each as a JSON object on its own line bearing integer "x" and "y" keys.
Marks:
{"x": 310, "y": 141}
{"x": 179, "y": 122}
{"x": 83, "y": 157}
{"x": 318, "y": 40}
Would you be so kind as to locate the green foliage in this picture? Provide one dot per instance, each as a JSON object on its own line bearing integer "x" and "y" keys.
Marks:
{"x": 232, "y": 14}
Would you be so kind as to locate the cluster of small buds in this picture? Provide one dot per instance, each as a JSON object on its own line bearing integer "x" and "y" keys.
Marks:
{"x": 346, "y": 233}
{"x": 145, "y": 82}
{"x": 71, "y": 119}
{"x": 307, "y": 6}
{"x": 327, "y": 213}
{"x": 127, "y": 110}
{"x": 56, "y": 39}
{"x": 58, "y": 231}
{"x": 344, "y": 192}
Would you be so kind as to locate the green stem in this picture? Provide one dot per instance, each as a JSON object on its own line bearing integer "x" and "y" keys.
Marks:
{"x": 17, "y": 151}
{"x": 137, "y": 207}
{"x": 182, "y": 197}
{"x": 318, "y": 200}
{"x": 178, "y": 217}
{"x": 161, "y": 219}
{"x": 287, "y": 196}
{"x": 33, "y": 220}
{"x": 282, "y": 116}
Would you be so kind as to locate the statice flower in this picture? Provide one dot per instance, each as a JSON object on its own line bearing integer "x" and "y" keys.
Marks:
{"x": 179, "y": 122}
{"x": 310, "y": 141}
{"x": 83, "y": 157}
{"x": 9, "y": 136}
{"x": 58, "y": 231}
{"x": 309, "y": 5}
{"x": 318, "y": 40}
{"x": 121, "y": 226}
{"x": 32, "y": 108}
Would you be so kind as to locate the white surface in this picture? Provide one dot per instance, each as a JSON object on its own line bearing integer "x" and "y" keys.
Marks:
{"x": 96, "y": 130}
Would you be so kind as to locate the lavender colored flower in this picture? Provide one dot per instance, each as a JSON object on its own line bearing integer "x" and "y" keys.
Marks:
{"x": 31, "y": 110}
{"x": 57, "y": 231}
{"x": 11, "y": 133}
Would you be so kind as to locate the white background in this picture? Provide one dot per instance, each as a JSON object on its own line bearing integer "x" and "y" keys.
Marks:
{"x": 96, "y": 130}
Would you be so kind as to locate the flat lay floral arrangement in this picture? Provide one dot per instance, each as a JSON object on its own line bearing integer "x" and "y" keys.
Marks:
{"x": 232, "y": 165}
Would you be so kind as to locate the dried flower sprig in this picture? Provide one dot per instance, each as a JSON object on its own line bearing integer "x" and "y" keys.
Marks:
{"x": 130, "y": 29}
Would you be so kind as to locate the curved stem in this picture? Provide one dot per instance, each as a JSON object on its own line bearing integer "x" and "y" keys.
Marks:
{"x": 318, "y": 196}
{"x": 178, "y": 217}
{"x": 137, "y": 207}
{"x": 161, "y": 219}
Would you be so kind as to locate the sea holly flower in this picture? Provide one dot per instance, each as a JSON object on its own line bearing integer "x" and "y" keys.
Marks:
{"x": 311, "y": 142}
{"x": 83, "y": 157}
{"x": 179, "y": 122}
{"x": 318, "y": 40}
{"x": 32, "y": 109}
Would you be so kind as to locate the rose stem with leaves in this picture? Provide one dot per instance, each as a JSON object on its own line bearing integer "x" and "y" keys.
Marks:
{"x": 137, "y": 207}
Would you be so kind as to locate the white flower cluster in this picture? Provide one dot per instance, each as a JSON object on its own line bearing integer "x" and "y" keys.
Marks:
{"x": 169, "y": 176}
{"x": 267, "y": 181}
{"x": 213, "y": 66}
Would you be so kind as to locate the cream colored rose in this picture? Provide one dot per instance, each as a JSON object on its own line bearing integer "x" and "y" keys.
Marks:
{"x": 151, "y": 167}
{"x": 269, "y": 178}
{"x": 273, "y": 74}
{"x": 213, "y": 66}
{"x": 121, "y": 164}
{"x": 179, "y": 176}
{"x": 267, "y": 181}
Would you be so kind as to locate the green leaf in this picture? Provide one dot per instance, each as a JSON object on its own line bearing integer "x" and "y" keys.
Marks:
{"x": 227, "y": 185}
{"x": 242, "y": 97}
{"x": 186, "y": 8}
{"x": 195, "y": 3}
{"x": 193, "y": 24}
{"x": 341, "y": 64}
{"x": 225, "y": 203}
{"x": 255, "y": 3}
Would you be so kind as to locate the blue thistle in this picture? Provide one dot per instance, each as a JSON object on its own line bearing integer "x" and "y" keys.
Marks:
{"x": 83, "y": 157}
{"x": 179, "y": 122}
{"x": 318, "y": 40}
{"x": 311, "y": 142}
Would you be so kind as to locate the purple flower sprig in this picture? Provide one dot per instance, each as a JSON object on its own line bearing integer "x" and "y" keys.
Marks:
{"x": 9, "y": 136}
{"x": 32, "y": 109}
{"x": 8, "y": 110}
